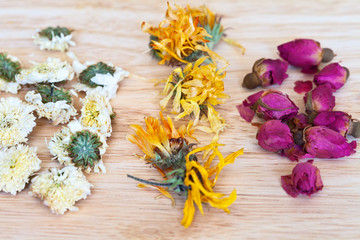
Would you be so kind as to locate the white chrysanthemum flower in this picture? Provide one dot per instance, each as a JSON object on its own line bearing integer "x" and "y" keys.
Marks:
{"x": 59, "y": 112}
{"x": 57, "y": 43}
{"x": 52, "y": 71}
{"x": 97, "y": 112}
{"x": 17, "y": 164}
{"x": 108, "y": 83}
{"x": 60, "y": 188}
{"x": 76, "y": 145}
{"x": 16, "y": 121}
{"x": 11, "y": 87}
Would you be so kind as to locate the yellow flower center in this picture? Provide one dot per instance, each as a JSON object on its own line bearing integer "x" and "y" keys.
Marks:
{"x": 91, "y": 113}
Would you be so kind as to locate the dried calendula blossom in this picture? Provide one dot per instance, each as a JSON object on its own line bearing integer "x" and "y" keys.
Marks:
{"x": 168, "y": 150}
{"x": 79, "y": 146}
{"x": 98, "y": 77}
{"x": 16, "y": 121}
{"x": 52, "y": 71}
{"x": 52, "y": 103}
{"x": 97, "y": 113}
{"x": 186, "y": 35}
{"x": 17, "y": 165}
{"x": 60, "y": 188}
{"x": 194, "y": 91}
{"x": 9, "y": 67}
{"x": 54, "y": 38}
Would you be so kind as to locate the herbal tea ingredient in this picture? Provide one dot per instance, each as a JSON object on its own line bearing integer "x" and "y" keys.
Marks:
{"x": 16, "y": 121}
{"x": 60, "y": 188}
{"x": 54, "y": 38}
{"x": 52, "y": 103}
{"x": 333, "y": 74}
{"x": 169, "y": 151}
{"x": 17, "y": 165}
{"x": 10, "y": 66}
{"x": 186, "y": 35}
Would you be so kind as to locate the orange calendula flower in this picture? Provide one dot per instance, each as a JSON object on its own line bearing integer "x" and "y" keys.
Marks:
{"x": 185, "y": 35}
{"x": 170, "y": 152}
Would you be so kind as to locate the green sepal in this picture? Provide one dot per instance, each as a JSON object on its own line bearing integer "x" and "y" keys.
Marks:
{"x": 8, "y": 68}
{"x": 50, "y": 32}
{"x": 90, "y": 72}
{"x": 53, "y": 94}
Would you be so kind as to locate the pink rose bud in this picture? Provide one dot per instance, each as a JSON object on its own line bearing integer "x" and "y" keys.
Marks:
{"x": 338, "y": 121}
{"x": 301, "y": 121}
{"x": 305, "y": 53}
{"x": 266, "y": 72}
{"x": 274, "y": 136}
{"x": 333, "y": 74}
{"x": 276, "y": 105}
{"x": 323, "y": 142}
{"x": 320, "y": 99}
{"x": 245, "y": 109}
{"x": 304, "y": 179}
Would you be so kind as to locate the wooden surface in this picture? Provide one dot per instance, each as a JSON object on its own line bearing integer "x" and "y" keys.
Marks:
{"x": 117, "y": 209}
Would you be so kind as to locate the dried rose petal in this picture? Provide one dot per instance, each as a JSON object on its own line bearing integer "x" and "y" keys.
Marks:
{"x": 245, "y": 109}
{"x": 323, "y": 142}
{"x": 276, "y": 105}
{"x": 295, "y": 153}
{"x": 301, "y": 121}
{"x": 304, "y": 179}
{"x": 320, "y": 99}
{"x": 303, "y": 86}
{"x": 338, "y": 121}
{"x": 333, "y": 74}
{"x": 274, "y": 136}
{"x": 304, "y": 53}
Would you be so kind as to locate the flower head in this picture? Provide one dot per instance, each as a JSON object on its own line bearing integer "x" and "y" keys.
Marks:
{"x": 60, "y": 188}
{"x": 245, "y": 109}
{"x": 338, "y": 121}
{"x": 54, "y": 38}
{"x": 16, "y": 121}
{"x": 17, "y": 164}
{"x": 305, "y": 179}
{"x": 305, "y": 53}
{"x": 52, "y": 71}
{"x": 333, "y": 74}
{"x": 52, "y": 103}
{"x": 79, "y": 146}
{"x": 320, "y": 99}
{"x": 274, "y": 136}
{"x": 9, "y": 67}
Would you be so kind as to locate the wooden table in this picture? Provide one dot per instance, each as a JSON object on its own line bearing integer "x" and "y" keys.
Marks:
{"x": 110, "y": 31}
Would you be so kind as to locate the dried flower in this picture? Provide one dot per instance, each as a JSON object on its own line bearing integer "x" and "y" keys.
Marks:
{"x": 9, "y": 67}
{"x": 50, "y": 38}
{"x": 167, "y": 149}
{"x": 295, "y": 153}
{"x": 60, "y": 188}
{"x": 338, "y": 121}
{"x": 305, "y": 53}
{"x": 266, "y": 72}
{"x": 300, "y": 121}
{"x": 274, "y": 136}
{"x": 305, "y": 179}
{"x": 52, "y": 71}
{"x": 16, "y": 121}
{"x": 333, "y": 74}
{"x": 320, "y": 99}
{"x": 17, "y": 165}
{"x": 303, "y": 86}
{"x": 246, "y": 108}
{"x": 80, "y": 146}
{"x": 52, "y": 103}
{"x": 323, "y": 142}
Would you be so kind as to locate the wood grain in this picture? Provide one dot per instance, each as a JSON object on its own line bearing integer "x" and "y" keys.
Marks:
{"x": 117, "y": 209}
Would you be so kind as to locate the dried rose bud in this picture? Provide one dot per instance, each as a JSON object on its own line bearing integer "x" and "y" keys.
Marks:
{"x": 295, "y": 153}
{"x": 276, "y": 105}
{"x": 301, "y": 121}
{"x": 274, "y": 136}
{"x": 323, "y": 142}
{"x": 266, "y": 72}
{"x": 305, "y": 53}
{"x": 302, "y": 86}
{"x": 245, "y": 109}
{"x": 338, "y": 121}
{"x": 304, "y": 179}
{"x": 320, "y": 99}
{"x": 333, "y": 74}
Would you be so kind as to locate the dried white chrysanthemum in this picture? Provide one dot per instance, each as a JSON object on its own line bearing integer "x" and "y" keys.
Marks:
{"x": 97, "y": 112}
{"x": 16, "y": 121}
{"x": 52, "y": 103}
{"x": 10, "y": 66}
{"x": 60, "y": 188}
{"x": 95, "y": 77}
{"x": 52, "y": 71}
{"x": 17, "y": 165}
{"x": 79, "y": 146}
{"x": 58, "y": 38}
